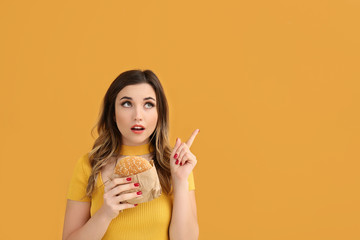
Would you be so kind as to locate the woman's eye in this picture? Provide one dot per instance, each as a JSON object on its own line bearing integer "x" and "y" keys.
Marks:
{"x": 148, "y": 103}
{"x": 124, "y": 103}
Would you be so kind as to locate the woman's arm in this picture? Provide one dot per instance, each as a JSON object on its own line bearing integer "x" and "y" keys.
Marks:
{"x": 184, "y": 224}
{"x": 79, "y": 225}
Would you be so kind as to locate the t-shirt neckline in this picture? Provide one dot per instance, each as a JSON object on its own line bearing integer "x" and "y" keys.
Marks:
{"x": 143, "y": 149}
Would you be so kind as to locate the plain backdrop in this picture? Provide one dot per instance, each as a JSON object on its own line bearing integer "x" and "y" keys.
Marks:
{"x": 273, "y": 87}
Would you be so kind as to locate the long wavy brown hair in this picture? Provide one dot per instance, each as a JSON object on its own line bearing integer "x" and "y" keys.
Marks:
{"x": 109, "y": 140}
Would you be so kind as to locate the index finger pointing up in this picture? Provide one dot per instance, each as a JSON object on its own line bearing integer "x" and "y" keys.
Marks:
{"x": 192, "y": 137}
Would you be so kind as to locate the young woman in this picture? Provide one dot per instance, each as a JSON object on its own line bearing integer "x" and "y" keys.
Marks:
{"x": 133, "y": 121}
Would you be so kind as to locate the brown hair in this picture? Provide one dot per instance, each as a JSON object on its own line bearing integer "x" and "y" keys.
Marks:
{"x": 108, "y": 143}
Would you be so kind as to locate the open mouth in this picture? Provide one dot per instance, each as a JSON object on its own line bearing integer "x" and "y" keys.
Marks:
{"x": 138, "y": 128}
{"x": 137, "y": 131}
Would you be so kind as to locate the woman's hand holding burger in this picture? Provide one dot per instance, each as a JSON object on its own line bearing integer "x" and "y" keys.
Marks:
{"x": 113, "y": 196}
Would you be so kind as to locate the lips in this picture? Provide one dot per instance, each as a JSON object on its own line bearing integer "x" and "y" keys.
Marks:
{"x": 138, "y": 127}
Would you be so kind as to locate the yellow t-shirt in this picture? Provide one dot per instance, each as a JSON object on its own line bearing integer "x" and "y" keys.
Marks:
{"x": 149, "y": 220}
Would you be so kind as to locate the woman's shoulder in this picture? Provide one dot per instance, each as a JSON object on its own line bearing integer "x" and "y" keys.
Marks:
{"x": 84, "y": 160}
{"x": 84, "y": 163}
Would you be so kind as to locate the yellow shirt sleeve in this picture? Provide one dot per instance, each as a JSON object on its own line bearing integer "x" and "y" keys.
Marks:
{"x": 79, "y": 180}
{"x": 191, "y": 181}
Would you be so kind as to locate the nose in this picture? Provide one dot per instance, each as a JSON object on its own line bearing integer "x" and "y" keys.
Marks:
{"x": 138, "y": 114}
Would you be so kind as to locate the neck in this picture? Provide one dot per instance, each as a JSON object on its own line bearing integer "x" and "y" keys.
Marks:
{"x": 136, "y": 150}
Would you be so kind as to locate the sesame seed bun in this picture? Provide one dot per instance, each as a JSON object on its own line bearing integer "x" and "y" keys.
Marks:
{"x": 131, "y": 165}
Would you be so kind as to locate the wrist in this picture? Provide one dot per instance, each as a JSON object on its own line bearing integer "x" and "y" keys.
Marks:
{"x": 180, "y": 185}
{"x": 104, "y": 216}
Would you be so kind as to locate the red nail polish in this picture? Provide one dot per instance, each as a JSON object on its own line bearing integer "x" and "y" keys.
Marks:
{"x": 139, "y": 193}
{"x": 180, "y": 164}
{"x": 136, "y": 184}
{"x": 128, "y": 179}
{"x": 135, "y": 204}
{"x": 177, "y": 161}
{"x": 175, "y": 156}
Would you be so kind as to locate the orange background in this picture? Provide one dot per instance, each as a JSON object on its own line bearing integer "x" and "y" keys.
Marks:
{"x": 273, "y": 87}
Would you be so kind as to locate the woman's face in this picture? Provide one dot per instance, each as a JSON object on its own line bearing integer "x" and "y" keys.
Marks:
{"x": 136, "y": 105}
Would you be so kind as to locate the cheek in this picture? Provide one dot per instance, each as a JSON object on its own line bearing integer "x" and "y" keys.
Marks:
{"x": 153, "y": 119}
{"x": 121, "y": 117}
{"x": 122, "y": 124}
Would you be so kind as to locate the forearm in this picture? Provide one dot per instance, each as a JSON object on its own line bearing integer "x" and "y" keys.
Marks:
{"x": 184, "y": 223}
{"x": 94, "y": 228}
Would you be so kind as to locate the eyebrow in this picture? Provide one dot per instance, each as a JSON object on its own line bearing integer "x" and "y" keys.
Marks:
{"x": 131, "y": 98}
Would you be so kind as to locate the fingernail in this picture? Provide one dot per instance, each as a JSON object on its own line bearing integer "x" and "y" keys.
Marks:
{"x": 137, "y": 184}
{"x": 181, "y": 164}
{"x": 128, "y": 179}
{"x": 175, "y": 156}
{"x": 135, "y": 205}
{"x": 139, "y": 193}
{"x": 177, "y": 161}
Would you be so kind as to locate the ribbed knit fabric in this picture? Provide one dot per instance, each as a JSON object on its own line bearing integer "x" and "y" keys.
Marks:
{"x": 148, "y": 220}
